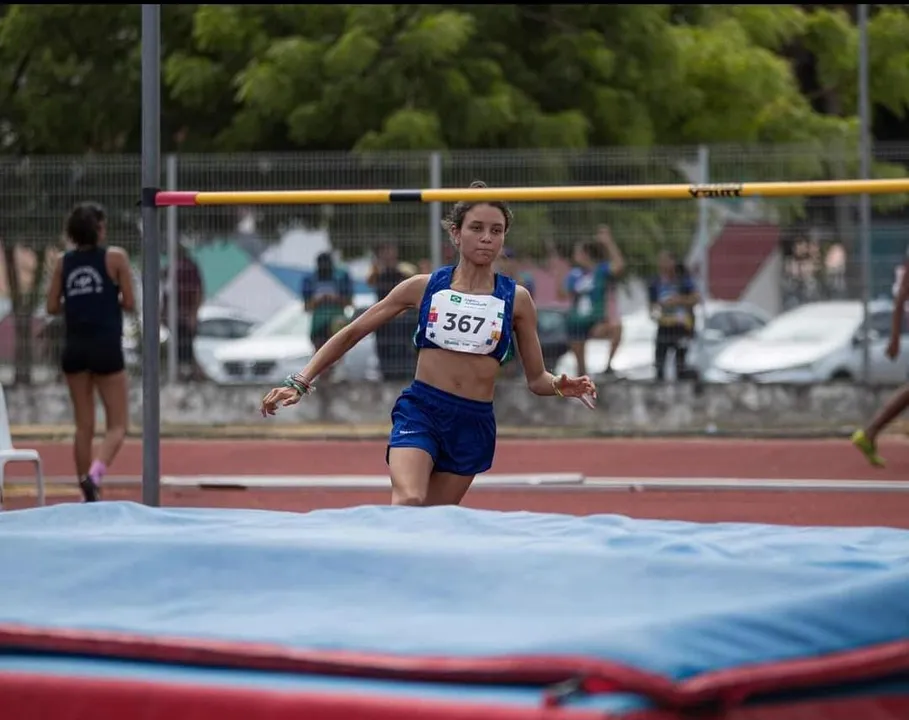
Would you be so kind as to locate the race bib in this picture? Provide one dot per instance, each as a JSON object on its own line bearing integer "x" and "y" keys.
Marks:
{"x": 465, "y": 323}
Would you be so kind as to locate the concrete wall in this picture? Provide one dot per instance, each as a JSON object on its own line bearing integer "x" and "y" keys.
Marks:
{"x": 623, "y": 408}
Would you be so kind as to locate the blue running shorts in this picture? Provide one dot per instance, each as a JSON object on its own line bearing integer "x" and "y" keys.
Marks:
{"x": 459, "y": 434}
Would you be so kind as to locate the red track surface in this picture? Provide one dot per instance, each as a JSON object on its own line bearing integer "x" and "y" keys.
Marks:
{"x": 794, "y": 459}
{"x": 801, "y": 459}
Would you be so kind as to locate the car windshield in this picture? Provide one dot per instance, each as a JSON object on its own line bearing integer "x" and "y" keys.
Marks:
{"x": 811, "y": 325}
{"x": 291, "y": 321}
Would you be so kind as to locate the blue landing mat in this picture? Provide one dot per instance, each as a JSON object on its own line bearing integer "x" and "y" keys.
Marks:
{"x": 673, "y": 598}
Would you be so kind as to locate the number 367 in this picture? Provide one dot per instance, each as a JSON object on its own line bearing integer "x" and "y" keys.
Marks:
{"x": 464, "y": 323}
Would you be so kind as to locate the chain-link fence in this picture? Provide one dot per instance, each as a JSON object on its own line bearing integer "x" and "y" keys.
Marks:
{"x": 246, "y": 279}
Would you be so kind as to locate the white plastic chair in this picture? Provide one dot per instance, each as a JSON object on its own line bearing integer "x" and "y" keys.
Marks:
{"x": 10, "y": 454}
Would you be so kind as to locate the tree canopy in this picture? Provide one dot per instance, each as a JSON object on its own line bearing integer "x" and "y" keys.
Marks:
{"x": 418, "y": 77}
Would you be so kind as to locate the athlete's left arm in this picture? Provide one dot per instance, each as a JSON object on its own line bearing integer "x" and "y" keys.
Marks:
{"x": 54, "y": 300}
{"x": 539, "y": 380}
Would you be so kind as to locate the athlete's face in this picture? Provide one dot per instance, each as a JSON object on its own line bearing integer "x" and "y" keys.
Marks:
{"x": 481, "y": 235}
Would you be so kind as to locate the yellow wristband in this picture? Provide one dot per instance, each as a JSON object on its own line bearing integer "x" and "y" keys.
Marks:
{"x": 555, "y": 387}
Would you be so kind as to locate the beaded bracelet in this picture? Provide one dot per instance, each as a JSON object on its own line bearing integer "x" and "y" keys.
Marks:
{"x": 299, "y": 384}
{"x": 556, "y": 387}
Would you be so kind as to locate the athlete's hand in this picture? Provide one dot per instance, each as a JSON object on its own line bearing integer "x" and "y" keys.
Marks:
{"x": 893, "y": 348}
{"x": 581, "y": 388}
{"x": 283, "y": 396}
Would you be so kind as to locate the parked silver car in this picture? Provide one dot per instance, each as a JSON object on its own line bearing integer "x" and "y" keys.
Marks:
{"x": 814, "y": 343}
{"x": 717, "y": 322}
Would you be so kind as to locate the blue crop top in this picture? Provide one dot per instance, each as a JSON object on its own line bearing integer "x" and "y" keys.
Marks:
{"x": 460, "y": 322}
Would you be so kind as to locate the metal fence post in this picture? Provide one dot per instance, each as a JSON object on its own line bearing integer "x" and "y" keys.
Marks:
{"x": 704, "y": 220}
{"x": 171, "y": 290}
{"x": 151, "y": 254}
{"x": 435, "y": 210}
{"x": 864, "y": 199}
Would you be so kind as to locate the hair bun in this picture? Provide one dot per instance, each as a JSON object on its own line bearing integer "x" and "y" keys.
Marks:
{"x": 477, "y": 184}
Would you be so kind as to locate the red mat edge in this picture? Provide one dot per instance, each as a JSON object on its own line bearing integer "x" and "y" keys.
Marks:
{"x": 728, "y": 688}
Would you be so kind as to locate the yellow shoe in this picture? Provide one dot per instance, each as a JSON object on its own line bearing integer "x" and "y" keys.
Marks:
{"x": 867, "y": 448}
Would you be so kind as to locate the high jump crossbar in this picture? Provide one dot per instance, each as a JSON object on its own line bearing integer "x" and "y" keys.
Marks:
{"x": 574, "y": 193}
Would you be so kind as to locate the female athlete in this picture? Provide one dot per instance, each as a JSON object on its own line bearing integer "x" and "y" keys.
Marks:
{"x": 92, "y": 286}
{"x": 469, "y": 317}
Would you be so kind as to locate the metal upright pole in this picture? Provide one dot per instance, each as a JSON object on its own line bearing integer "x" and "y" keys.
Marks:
{"x": 151, "y": 254}
{"x": 170, "y": 172}
{"x": 864, "y": 112}
{"x": 704, "y": 221}
{"x": 435, "y": 212}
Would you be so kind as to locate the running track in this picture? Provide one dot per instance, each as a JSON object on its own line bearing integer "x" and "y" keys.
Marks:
{"x": 701, "y": 458}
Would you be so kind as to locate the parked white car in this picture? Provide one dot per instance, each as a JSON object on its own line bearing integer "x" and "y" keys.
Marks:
{"x": 215, "y": 326}
{"x": 281, "y": 346}
{"x": 717, "y": 323}
{"x": 814, "y": 343}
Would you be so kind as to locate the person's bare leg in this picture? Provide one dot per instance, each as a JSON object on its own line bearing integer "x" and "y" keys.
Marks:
{"x": 615, "y": 339}
{"x": 81, "y": 393}
{"x": 865, "y": 440}
{"x": 410, "y": 470}
{"x": 613, "y": 333}
{"x": 447, "y": 488}
{"x": 114, "y": 391}
{"x": 577, "y": 347}
{"x": 891, "y": 410}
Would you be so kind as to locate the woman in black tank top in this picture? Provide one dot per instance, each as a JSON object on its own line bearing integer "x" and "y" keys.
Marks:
{"x": 92, "y": 286}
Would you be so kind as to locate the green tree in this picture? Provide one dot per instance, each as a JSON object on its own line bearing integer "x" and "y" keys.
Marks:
{"x": 395, "y": 77}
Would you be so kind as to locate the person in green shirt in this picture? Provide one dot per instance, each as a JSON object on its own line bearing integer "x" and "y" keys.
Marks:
{"x": 326, "y": 293}
{"x": 587, "y": 286}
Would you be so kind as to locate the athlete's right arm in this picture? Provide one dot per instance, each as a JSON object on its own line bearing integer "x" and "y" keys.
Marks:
{"x": 404, "y": 296}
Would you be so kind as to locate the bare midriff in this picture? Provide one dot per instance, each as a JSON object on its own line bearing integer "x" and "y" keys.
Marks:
{"x": 462, "y": 374}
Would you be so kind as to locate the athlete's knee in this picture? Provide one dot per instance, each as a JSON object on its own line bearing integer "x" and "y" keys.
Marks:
{"x": 410, "y": 469}
{"x": 410, "y": 497}
{"x": 116, "y": 433}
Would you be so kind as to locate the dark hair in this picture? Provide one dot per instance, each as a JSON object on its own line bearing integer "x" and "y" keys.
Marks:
{"x": 83, "y": 226}
{"x": 325, "y": 266}
{"x": 455, "y": 217}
